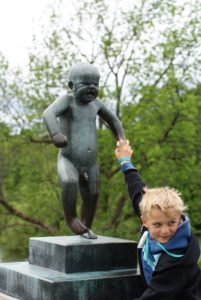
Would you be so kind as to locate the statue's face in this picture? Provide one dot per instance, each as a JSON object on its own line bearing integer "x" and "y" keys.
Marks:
{"x": 86, "y": 87}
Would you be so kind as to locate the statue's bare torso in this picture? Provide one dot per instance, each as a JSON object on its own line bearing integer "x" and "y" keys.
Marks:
{"x": 78, "y": 123}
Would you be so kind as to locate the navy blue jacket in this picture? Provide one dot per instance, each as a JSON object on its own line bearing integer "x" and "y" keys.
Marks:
{"x": 173, "y": 279}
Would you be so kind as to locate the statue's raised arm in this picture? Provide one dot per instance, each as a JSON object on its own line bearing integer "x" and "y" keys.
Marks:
{"x": 111, "y": 119}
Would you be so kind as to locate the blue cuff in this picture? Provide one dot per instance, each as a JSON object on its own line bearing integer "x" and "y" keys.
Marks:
{"x": 127, "y": 166}
{"x": 120, "y": 160}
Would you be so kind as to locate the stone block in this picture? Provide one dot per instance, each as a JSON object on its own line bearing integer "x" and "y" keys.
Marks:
{"x": 70, "y": 254}
{"x": 74, "y": 268}
{"x": 29, "y": 282}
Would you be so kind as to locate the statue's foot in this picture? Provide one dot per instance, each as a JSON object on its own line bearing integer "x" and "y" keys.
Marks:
{"x": 77, "y": 226}
{"x": 89, "y": 235}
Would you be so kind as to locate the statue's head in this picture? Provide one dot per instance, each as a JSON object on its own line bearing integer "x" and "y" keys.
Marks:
{"x": 84, "y": 82}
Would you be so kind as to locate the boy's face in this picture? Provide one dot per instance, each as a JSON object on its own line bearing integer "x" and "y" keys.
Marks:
{"x": 86, "y": 88}
{"x": 162, "y": 226}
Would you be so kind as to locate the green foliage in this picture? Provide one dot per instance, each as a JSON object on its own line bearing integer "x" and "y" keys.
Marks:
{"x": 163, "y": 129}
{"x": 150, "y": 76}
{"x": 28, "y": 182}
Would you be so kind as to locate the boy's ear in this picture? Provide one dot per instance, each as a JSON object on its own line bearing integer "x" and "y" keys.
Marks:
{"x": 144, "y": 221}
{"x": 70, "y": 85}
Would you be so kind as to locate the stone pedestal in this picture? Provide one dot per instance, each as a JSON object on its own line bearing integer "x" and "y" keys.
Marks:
{"x": 74, "y": 268}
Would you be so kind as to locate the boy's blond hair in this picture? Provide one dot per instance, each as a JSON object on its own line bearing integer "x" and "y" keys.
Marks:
{"x": 165, "y": 198}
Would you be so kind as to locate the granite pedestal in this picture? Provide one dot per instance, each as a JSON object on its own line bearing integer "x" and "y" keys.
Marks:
{"x": 74, "y": 268}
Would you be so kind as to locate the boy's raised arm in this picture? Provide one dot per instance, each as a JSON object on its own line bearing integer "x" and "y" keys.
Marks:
{"x": 123, "y": 153}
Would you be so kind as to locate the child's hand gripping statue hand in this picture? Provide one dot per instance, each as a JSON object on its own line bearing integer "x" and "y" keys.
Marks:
{"x": 123, "y": 152}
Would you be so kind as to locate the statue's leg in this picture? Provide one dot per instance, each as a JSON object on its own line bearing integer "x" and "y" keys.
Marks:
{"x": 69, "y": 178}
{"x": 89, "y": 189}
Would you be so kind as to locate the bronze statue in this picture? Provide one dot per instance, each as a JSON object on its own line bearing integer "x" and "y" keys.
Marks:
{"x": 71, "y": 122}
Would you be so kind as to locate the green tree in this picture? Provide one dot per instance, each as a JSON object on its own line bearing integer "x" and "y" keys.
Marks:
{"x": 163, "y": 128}
{"x": 149, "y": 76}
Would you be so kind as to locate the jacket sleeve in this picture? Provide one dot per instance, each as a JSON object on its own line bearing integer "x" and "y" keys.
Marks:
{"x": 135, "y": 188}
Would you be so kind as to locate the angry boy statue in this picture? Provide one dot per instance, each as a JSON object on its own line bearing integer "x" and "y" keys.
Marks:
{"x": 71, "y": 122}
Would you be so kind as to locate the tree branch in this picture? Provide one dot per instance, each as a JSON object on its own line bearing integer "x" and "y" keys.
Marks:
{"x": 21, "y": 215}
{"x": 167, "y": 131}
{"x": 40, "y": 141}
{"x": 115, "y": 219}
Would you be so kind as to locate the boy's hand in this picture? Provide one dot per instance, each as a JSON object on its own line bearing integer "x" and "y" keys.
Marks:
{"x": 60, "y": 140}
{"x": 123, "y": 149}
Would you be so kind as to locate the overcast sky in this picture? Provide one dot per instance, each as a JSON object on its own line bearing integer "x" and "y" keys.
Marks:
{"x": 18, "y": 19}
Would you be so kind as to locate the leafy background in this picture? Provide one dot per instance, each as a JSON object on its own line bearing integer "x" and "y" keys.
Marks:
{"x": 148, "y": 54}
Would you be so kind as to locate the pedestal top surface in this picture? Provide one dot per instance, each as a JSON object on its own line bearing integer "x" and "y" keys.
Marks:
{"x": 79, "y": 240}
{"x": 54, "y": 276}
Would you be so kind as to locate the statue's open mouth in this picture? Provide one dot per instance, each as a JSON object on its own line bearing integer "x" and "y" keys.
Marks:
{"x": 91, "y": 93}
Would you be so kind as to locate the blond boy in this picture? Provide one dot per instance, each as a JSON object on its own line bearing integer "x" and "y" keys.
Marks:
{"x": 168, "y": 250}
